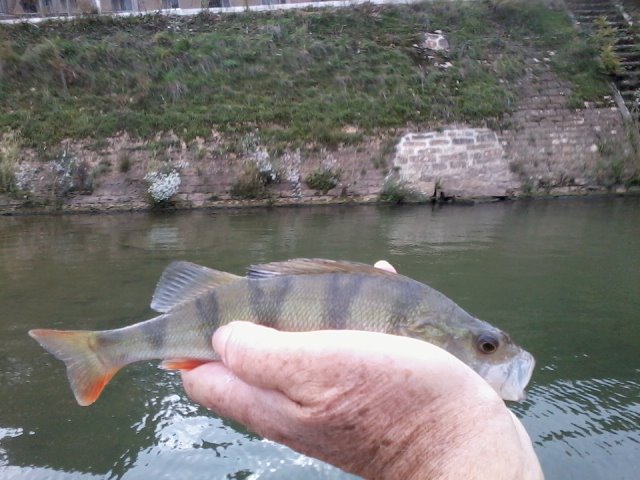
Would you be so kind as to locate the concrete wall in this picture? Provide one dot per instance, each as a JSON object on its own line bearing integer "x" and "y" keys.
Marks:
{"x": 74, "y": 7}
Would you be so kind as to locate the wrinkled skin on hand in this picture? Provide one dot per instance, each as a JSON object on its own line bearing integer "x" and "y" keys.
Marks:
{"x": 376, "y": 405}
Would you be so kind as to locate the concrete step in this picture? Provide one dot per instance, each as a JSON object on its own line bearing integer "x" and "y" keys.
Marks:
{"x": 627, "y": 55}
{"x": 626, "y": 40}
{"x": 629, "y": 83}
{"x": 573, "y": 4}
{"x": 591, "y": 15}
{"x": 628, "y": 74}
{"x": 626, "y": 47}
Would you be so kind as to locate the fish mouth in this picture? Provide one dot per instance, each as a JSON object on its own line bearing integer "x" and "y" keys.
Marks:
{"x": 517, "y": 378}
{"x": 509, "y": 379}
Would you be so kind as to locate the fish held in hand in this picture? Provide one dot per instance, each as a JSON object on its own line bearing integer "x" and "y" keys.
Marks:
{"x": 295, "y": 295}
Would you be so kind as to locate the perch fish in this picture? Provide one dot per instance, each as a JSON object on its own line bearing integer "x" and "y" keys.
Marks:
{"x": 294, "y": 295}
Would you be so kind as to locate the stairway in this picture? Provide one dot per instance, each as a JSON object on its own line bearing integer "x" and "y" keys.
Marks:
{"x": 626, "y": 48}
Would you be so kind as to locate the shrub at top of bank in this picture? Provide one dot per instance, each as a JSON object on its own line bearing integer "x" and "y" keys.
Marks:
{"x": 300, "y": 77}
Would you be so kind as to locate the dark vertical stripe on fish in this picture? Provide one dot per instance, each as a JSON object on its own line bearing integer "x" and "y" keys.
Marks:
{"x": 407, "y": 300}
{"x": 267, "y": 304}
{"x": 341, "y": 292}
{"x": 208, "y": 313}
{"x": 108, "y": 338}
{"x": 155, "y": 333}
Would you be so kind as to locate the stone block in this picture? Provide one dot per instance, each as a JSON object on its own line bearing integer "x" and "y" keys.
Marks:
{"x": 432, "y": 151}
{"x": 435, "y": 41}
{"x": 438, "y": 166}
{"x": 426, "y": 187}
{"x": 487, "y": 137}
{"x": 440, "y": 141}
{"x": 422, "y": 136}
{"x": 463, "y": 141}
{"x": 458, "y": 164}
{"x": 453, "y": 156}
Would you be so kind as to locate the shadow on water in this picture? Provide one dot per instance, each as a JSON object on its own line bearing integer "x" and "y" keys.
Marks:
{"x": 561, "y": 276}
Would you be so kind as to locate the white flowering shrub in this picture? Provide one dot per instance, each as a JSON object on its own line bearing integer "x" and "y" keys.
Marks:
{"x": 62, "y": 168}
{"x": 25, "y": 176}
{"x": 162, "y": 186}
{"x": 251, "y": 146}
{"x": 265, "y": 167}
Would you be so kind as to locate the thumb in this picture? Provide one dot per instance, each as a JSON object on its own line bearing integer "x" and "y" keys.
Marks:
{"x": 258, "y": 355}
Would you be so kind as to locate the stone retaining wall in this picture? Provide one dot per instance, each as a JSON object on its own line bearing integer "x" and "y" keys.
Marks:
{"x": 462, "y": 162}
{"x": 547, "y": 147}
{"x": 552, "y": 145}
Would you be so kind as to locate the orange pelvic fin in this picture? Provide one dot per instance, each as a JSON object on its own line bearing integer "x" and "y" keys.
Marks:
{"x": 87, "y": 372}
{"x": 182, "y": 363}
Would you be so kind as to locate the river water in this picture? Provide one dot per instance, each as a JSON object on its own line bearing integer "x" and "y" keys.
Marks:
{"x": 562, "y": 276}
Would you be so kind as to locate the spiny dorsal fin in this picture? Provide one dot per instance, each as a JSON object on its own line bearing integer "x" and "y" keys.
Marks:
{"x": 311, "y": 266}
{"x": 183, "y": 281}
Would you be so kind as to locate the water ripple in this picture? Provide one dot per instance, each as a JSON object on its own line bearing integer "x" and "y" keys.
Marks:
{"x": 572, "y": 423}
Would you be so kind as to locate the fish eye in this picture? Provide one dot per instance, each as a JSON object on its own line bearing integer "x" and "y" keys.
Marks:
{"x": 487, "y": 343}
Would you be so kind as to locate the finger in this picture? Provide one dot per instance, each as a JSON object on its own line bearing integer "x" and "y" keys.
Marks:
{"x": 265, "y": 412}
{"x": 261, "y": 356}
{"x": 283, "y": 361}
{"x": 384, "y": 265}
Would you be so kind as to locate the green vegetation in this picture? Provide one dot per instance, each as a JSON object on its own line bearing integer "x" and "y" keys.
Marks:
{"x": 124, "y": 162}
{"x": 397, "y": 192}
{"x": 606, "y": 37}
{"x": 9, "y": 154}
{"x": 252, "y": 184}
{"x": 323, "y": 180}
{"x": 304, "y": 78}
{"x": 618, "y": 166}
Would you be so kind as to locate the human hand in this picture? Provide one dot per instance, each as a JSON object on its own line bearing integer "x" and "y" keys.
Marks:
{"x": 379, "y": 406}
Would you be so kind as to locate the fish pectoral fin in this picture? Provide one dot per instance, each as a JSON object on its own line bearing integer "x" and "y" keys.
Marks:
{"x": 182, "y": 363}
{"x": 311, "y": 266}
{"x": 184, "y": 281}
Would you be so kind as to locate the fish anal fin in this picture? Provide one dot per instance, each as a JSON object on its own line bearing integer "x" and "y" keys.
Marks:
{"x": 182, "y": 363}
{"x": 184, "y": 281}
{"x": 312, "y": 266}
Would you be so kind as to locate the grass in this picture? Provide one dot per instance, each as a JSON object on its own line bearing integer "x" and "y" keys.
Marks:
{"x": 9, "y": 155}
{"x": 299, "y": 77}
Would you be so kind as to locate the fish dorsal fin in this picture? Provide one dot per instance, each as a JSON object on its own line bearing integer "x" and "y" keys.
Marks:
{"x": 184, "y": 281}
{"x": 311, "y": 266}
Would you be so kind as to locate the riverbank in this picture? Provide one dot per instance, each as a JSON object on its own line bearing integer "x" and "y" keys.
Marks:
{"x": 18, "y": 208}
{"x": 306, "y": 107}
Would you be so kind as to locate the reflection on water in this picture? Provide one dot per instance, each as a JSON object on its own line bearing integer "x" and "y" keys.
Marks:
{"x": 431, "y": 231}
{"x": 562, "y": 277}
{"x": 586, "y": 429}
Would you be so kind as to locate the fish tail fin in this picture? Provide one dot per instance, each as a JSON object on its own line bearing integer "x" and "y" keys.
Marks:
{"x": 88, "y": 373}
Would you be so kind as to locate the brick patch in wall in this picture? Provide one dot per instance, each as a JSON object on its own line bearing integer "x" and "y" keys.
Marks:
{"x": 464, "y": 162}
